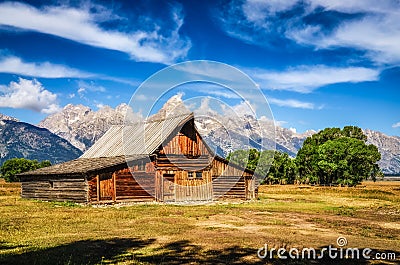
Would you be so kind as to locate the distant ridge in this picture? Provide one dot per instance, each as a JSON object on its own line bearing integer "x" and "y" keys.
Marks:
{"x": 23, "y": 140}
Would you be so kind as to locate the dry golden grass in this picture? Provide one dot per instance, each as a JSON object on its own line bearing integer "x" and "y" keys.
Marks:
{"x": 221, "y": 233}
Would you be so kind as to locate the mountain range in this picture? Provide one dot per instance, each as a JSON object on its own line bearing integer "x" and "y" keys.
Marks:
{"x": 20, "y": 139}
{"x": 65, "y": 135}
{"x": 82, "y": 126}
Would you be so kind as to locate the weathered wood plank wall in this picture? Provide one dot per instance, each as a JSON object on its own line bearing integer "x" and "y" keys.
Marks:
{"x": 187, "y": 142}
{"x": 55, "y": 188}
{"x": 193, "y": 188}
{"x": 231, "y": 182}
{"x": 138, "y": 185}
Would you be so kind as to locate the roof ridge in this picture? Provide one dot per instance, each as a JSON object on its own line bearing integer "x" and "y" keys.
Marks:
{"x": 147, "y": 121}
{"x": 150, "y": 120}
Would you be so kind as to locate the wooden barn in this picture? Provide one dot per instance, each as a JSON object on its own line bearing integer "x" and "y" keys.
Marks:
{"x": 168, "y": 161}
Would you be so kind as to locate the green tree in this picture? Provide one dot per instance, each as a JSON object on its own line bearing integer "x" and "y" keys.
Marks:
{"x": 14, "y": 166}
{"x": 354, "y": 132}
{"x": 283, "y": 169}
{"x": 44, "y": 163}
{"x": 276, "y": 167}
{"x": 338, "y": 156}
{"x": 245, "y": 158}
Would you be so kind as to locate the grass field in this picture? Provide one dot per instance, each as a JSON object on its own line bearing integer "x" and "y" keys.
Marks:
{"x": 368, "y": 216}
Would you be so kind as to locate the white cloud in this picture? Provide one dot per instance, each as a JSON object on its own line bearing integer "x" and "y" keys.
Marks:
{"x": 271, "y": 121}
{"x": 280, "y": 123}
{"x": 239, "y": 110}
{"x": 244, "y": 108}
{"x": 378, "y": 34}
{"x": 141, "y": 97}
{"x": 221, "y": 92}
{"x": 396, "y": 125}
{"x": 205, "y": 108}
{"x": 100, "y": 105}
{"x": 81, "y": 91}
{"x": 51, "y": 109}
{"x": 15, "y": 65}
{"x": 212, "y": 89}
{"x": 374, "y": 27}
{"x": 28, "y": 94}
{"x": 353, "y": 6}
{"x": 291, "y": 103}
{"x": 86, "y": 90}
{"x": 81, "y": 25}
{"x": 89, "y": 86}
{"x": 305, "y": 79}
{"x": 258, "y": 10}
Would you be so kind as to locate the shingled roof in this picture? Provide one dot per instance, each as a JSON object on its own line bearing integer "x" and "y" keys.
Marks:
{"x": 78, "y": 166}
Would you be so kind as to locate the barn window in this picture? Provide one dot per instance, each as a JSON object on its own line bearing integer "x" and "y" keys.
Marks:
{"x": 195, "y": 175}
{"x": 199, "y": 175}
{"x": 142, "y": 166}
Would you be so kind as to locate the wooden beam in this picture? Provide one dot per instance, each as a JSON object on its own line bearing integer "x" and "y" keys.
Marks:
{"x": 114, "y": 195}
{"x": 98, "y": 187}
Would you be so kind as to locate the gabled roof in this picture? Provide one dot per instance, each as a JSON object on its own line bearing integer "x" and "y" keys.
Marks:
{"x": 136, "y": 139}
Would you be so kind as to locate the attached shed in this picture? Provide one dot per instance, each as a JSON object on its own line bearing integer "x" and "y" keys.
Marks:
{"x": 167, "y": 161}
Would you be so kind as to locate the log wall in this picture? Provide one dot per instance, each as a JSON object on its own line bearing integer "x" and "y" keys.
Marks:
{"x": 122, "y": 185}
{"x": 55, "y": 188}
{"x": 180, "y": 162}
{"x": 231, "y": 182}
{"x": 139, "y": 187}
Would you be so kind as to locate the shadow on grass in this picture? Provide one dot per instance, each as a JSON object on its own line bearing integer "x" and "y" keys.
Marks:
{"x": 183, "y": 252}
{"x": 80, "y": 252}
{"x": 6, "y": 246}
{"x": 132, "y": 251}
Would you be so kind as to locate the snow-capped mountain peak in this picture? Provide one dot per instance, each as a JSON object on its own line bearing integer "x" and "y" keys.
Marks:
{"x": 82, "y": 126}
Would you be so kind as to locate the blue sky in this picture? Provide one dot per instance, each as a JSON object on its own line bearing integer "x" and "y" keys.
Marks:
{"x": 319, "y": 63}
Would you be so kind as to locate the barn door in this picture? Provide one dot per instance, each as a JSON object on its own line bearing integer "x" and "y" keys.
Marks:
{"x": 168, "y": 187}
{"x": 106, "y": 187}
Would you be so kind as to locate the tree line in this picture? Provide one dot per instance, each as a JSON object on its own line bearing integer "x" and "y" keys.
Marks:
{"x": 14, "y": 166}
{"x": 331, "y": 156}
